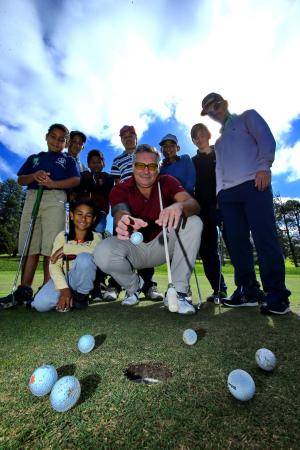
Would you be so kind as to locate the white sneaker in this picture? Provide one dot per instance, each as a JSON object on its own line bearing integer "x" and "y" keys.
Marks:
{"x": 130, "y": 300}
{"x": 154, "y": 294}
{"x": 111, "y": 294}
{"x": 185, "y": 307}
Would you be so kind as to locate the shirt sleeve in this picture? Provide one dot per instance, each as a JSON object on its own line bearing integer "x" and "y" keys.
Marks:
{"x": 260, "y": 131}
{"x": 115, "y": 169}
{"x": 118, "y": 194}
{"x": 72, "y": 168}
{"x": 190, "y": 174}
{"x": 26, "y": 168}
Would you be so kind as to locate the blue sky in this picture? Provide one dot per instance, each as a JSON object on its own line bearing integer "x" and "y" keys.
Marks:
{"x": 96, "y": 65}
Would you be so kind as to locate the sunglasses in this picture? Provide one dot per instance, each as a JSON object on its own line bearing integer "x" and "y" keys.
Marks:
{"x": 214, "y": 107}
{"x": 152, "y": 167}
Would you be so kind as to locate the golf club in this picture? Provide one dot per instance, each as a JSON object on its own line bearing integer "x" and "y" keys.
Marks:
{"x": 171, "y": 294}
{"x": 10, "y": 300}
{"x": 218, "y": 300}
{"x": 67, "y": 232}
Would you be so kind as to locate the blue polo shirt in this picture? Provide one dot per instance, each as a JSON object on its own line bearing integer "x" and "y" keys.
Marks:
{"x": 183, "y": 169}
{"x": 59, "y": 165}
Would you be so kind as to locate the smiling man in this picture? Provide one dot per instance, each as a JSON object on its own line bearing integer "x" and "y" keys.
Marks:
{"x": 244, "y": 156}
{"x": 135, "y": 206}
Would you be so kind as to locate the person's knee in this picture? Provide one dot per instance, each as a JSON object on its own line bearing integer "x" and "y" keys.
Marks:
{"x": 84, "y": 260}
{"x": 102, "y": 255}
{"x": 41, "y": 303}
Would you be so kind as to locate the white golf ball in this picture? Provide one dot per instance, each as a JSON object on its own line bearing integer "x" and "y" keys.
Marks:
{"x": 86, "y": 343}
{"x": 189, "y": 337}
{"x": 241, "y": 385}
{"x": 136, "y": 238}
{"x": 42, "y": 380}
{"x": 65, "y": 393}
{"x": 265, "y": 359}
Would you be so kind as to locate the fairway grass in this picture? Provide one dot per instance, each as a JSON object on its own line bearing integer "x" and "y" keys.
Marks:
{"x": 192, "y": 410}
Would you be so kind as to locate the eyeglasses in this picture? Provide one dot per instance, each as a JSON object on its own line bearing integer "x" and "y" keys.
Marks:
{"x": 152, "y": 167}
{"x": 213, "y": 107}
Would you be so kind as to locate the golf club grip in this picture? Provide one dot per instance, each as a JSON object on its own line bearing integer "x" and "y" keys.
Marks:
{"x": 37, "y": 202}
{"x": 165, "y": 238}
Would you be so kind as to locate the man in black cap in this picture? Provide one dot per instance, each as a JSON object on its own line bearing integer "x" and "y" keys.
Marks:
{"x": 244, "y": 156}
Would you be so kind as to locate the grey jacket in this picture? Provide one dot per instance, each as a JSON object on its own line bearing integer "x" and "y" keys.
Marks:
{"x": 245, "y": 147}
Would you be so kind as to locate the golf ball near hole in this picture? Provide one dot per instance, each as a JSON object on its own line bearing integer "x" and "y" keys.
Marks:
{"x": 189, "y": 337}
{"x": 136, "y": 238}
{"x": 241, "y": 385}
{"x": 265, "y": 359}
{"x": 86, "y": 343}
{"x": 65, "y": 393}
{"x": 42, "y": 380}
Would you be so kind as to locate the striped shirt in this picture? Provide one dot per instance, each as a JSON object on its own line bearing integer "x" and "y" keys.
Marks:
{"x": 122, "y": 166}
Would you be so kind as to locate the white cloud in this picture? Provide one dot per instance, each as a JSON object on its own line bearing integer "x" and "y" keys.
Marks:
{"x": 97, "y": 64}
{"x": 4, "y": 168}
{"x": 287, "y": 161}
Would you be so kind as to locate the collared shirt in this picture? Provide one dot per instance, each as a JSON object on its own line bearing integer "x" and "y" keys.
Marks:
{"x": 81, "y": 167}
{"x": 122, "y": 166}
{"x": 147, "y": 209}
{"x": 183, "y": 169}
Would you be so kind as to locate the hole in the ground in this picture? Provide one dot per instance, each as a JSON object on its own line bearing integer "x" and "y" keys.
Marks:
{"x": 148, "y": 373}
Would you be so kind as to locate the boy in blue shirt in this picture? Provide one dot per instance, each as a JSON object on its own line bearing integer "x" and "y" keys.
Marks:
{"x": 56, "y": 172}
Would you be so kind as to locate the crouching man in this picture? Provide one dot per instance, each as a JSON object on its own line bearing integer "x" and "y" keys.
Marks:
{"x": 136, "y": 206}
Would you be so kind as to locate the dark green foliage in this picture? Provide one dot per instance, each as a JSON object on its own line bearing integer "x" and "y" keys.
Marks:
{"x": 11, "y": 197}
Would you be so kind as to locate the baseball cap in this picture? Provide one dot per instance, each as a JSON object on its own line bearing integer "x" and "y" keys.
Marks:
{"x": 127, "y": 129}
{"x": 210, "y": 98}
{"x": 169, "y": 137}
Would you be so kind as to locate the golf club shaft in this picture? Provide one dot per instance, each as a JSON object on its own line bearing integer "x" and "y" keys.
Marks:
{"x": 67, "y": 233}
{"x": 165, "y": 239}
{"x": 34, "y": 214}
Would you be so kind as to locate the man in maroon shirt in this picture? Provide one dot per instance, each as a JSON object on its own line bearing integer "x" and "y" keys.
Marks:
{"x": 136, "y": 206}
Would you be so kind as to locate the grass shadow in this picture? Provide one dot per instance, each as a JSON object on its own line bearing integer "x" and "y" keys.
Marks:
{"x": 89, "y": 385}
{"x": 99, "y": 340}
{"x": 68, "y": 369}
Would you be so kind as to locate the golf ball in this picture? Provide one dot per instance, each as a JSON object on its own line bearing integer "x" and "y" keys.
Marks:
{"x": 189, "y": 337}
{"x": 241, "y": 385}
{"x": 86, "y": 343}
{"x": 265, "y": 359}
{"x": 65, "y": 393}
{"x": 136, "y": 238}
{"x": 42, "y": 380}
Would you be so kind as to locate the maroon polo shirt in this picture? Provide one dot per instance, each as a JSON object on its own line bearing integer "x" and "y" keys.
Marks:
{"x": 144, "y": 208}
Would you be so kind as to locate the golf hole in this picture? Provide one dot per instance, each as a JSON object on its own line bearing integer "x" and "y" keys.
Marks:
{"x": 148, "y": 373}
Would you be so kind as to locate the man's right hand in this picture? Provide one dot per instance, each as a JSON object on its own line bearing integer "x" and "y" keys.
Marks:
{"x": 126, "y": 224}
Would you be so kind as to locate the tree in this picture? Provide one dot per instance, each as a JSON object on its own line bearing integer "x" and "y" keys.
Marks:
{"x": 285, "y": 227}
{"x": 11, "y": 200}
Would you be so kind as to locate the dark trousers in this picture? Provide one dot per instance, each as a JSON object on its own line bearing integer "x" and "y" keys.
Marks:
{"x": 208, "y": 252}
{"x": 246, "y": 209}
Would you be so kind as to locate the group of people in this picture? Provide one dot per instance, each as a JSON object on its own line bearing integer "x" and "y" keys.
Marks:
{"x": 226, "y": 186}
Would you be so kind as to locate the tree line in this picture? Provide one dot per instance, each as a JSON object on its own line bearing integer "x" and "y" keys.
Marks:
{"x": 287, "y": 213}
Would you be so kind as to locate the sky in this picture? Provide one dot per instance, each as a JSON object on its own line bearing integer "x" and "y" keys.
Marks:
{"x": 96, "y": 65}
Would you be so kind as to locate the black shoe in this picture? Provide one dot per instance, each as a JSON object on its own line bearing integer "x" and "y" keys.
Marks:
{"x": 243, "y": 298}
{"x": 80, "y": 301}
{"x": 215, "y": 296}
{"x": 275, "y": 304}
{"x": 21, "y": 295}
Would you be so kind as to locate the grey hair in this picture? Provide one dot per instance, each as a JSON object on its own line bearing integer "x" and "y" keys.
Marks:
{"x": 146, "y": 148}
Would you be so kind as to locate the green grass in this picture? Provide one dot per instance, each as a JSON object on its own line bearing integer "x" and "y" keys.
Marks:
{"x": 192, "y": 410}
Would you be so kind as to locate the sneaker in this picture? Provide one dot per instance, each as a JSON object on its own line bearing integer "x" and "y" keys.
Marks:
{"x": 130, "y": 300}
{"x": 214, "y": 297}
{"x": 184, "y": 306}
{"x": 154, "y": 294}
{"x": 273, "y": 305}
{"x": 240, "y": 298}
{"x": 96, "y": 295}
{"x": 111, "y": 294}
{"x": 80, "y": 301}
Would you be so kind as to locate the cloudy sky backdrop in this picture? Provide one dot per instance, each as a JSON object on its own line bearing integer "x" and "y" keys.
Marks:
{"x": 96, "y": 65}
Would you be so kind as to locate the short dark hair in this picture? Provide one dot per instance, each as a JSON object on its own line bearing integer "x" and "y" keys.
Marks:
{"x": 197, "y": 127}
{"x": 61, "y": 127}
{"x": 94, "y": 152}
{"x": 78, "y": 133}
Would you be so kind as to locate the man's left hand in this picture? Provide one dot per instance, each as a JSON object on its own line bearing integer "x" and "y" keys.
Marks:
{"x": 262, "y": 180}
{"x": 169, "y": 217}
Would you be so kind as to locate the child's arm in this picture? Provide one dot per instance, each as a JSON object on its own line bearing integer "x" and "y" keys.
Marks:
{"x": 61, "y": 184}
{"x": 39, "y": 176}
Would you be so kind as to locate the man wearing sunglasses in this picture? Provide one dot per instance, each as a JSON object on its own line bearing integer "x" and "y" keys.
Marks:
{"x": 136, "y": 206}
{"x": 244, "y": 156}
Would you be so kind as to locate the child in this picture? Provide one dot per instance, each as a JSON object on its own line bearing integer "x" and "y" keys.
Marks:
{"x": 96, "y": 185}
{"x": 56, "y": 172}
{"x": 180, "y": 167}
{"x": 69, "y": 287}
{"x": 205, "y": 194}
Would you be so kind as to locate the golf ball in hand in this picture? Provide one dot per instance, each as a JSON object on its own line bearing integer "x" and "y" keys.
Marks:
{"x": 265, "y": 359}
{"x": 42, "y": 380}
{"x": 189, "y": 337}
{"x": 136, "y": 238}
{"x": 65, "y": 393}
{"x": 241, "y": 385}
{"x": 86, "y": 343}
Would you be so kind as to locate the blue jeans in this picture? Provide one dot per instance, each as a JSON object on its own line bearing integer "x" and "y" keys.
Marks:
{"x": 81, "y": 279}
{"x": 246, "y": 209}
